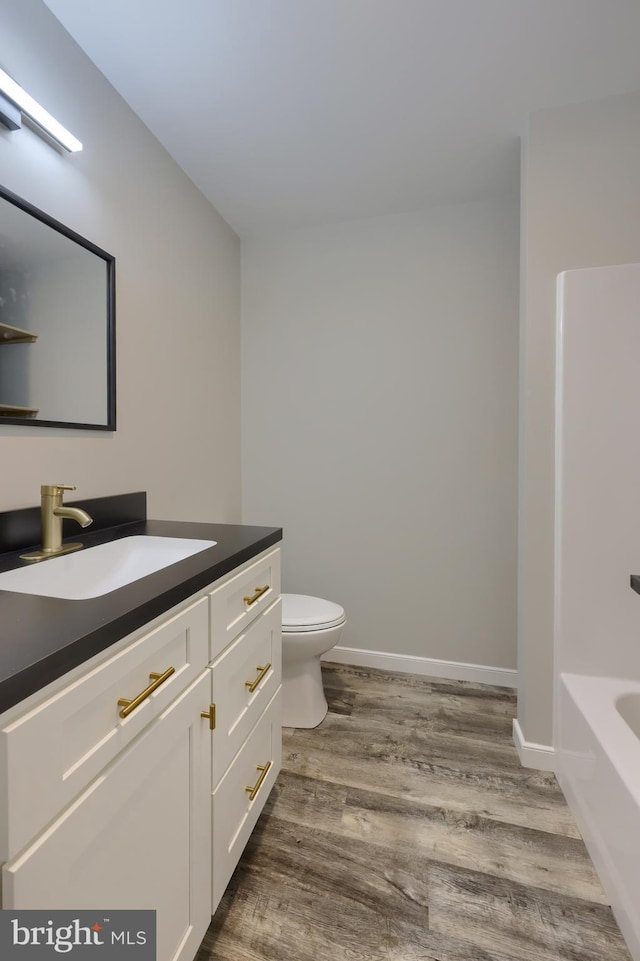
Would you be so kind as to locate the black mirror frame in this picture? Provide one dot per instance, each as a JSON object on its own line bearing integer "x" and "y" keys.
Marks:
{"x": 110, "y": 262}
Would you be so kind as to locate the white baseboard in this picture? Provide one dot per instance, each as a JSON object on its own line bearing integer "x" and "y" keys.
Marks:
{"x": 542, "y": 757}
{"x": 427, "y": 666}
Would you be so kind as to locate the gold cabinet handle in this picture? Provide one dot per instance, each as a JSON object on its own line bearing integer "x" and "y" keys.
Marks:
{"x": 130, "y": 705}
{"x": 252, "y": 685}
{"x": 258, "y": 593}
{"x": 211, "y": 715}
{"x": 263, "y": 768}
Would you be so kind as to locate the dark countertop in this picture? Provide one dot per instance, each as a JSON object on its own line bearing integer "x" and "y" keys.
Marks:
{"x": 41, "y": 638}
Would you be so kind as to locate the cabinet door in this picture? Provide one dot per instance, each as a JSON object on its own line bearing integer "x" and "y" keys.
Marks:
{"x": 138, "y": 837}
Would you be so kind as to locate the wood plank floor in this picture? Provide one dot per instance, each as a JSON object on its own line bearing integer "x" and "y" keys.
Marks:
{"x": 404, "y": 829}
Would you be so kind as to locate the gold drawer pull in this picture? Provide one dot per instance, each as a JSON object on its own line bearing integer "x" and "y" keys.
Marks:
{"x": 211, "y": 716}
{"x": 254, "y": 597}
{"x": 252, "y": 685}
{"x": 158, "y": 679}
{"x": 263, "y": 768}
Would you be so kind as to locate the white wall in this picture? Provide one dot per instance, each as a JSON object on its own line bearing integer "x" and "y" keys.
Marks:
{"x": 379, "y": 423}
{"x": 177, "y": 289}
{"x": 580, "y": 208}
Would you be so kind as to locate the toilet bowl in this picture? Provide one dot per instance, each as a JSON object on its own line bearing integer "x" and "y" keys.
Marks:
{"x": 310, "y": 627}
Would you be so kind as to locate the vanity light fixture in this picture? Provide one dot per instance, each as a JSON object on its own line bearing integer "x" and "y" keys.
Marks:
{"x": 27, "y": 105}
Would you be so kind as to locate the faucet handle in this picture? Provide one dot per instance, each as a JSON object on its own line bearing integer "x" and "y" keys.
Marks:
{"x": 51, "y": 489}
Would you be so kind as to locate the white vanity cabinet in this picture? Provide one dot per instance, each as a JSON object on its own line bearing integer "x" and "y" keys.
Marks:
{"x": 150, "y": 810}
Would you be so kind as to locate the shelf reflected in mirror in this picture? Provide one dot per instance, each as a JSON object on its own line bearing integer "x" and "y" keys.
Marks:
{"x": 57, "y": 323}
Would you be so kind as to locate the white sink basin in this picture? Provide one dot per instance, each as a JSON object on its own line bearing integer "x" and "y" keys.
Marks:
{"x": 94, "y": 571}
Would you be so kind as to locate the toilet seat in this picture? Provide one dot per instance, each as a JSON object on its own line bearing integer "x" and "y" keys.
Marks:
{"x": 300, "y": 613}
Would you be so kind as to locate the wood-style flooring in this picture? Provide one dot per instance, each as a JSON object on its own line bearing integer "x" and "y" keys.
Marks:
{"x": 404, "y": 829}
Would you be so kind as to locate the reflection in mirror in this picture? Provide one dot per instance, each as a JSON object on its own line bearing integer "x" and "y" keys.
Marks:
{"x": 57, "y": 333}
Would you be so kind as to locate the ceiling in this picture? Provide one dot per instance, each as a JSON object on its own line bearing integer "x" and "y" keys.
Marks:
{"x": 296, "y": 112}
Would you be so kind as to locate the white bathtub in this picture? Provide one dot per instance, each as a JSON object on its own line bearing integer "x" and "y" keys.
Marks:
{"x": 598, "y": 766}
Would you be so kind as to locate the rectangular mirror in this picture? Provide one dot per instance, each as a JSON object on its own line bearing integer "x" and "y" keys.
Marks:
{"x": 57, "y": 323}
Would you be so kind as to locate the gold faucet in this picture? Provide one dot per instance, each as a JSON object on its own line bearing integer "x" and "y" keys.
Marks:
{"x": 52, "y": 512}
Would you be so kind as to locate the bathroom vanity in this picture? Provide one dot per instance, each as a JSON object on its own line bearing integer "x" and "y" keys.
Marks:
{"x": 133, "y": 776}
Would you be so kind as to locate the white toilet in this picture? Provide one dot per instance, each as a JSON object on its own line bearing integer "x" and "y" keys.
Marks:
{"x": 310, "y": 628}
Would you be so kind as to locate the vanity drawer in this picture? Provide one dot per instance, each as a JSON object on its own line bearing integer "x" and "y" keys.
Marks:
{"x": 254, "y": 658}
{"x": 237, "y": 601}
{"x": 74, "y": 734}
{"x": 234, "y": 811}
